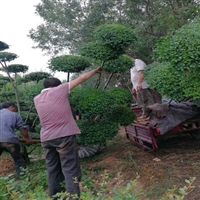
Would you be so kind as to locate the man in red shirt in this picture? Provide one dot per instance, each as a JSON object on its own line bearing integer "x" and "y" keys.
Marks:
{"x": 58, "y": 134}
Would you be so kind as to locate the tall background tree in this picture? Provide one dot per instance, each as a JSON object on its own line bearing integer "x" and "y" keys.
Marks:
{"x": 69, "y": 24}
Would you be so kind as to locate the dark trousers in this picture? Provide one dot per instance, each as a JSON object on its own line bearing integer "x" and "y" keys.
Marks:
{"x": 63, "y": 164}
{"x": 14, "y": 150}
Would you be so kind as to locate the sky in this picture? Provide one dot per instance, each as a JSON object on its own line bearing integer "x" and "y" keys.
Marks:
{"x": 17, "y": 17}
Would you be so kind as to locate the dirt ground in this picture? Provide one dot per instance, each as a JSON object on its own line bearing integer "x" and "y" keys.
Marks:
{"x": 6, "y": 165}
{"x": 176, "y": 160}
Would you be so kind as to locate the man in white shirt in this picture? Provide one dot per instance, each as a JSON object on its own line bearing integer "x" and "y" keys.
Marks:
{"x": 140, "y": 86}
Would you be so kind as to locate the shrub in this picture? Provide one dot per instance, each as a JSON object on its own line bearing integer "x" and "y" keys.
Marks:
{"x": 182, "y": 51}
{"x": 102, "y": 112}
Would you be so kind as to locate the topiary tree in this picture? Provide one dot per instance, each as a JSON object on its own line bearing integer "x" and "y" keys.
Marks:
{"x": 36, "y": 76}
{"x": 101, "y": 113}
{"x": 69, "y": 64}
{"x": 181, "y": 52}
{"x": 110, "y": 42}
{"x": 15, "y": 68}
{"x": 3, "y": 46}
{"x": 115, "y": 36}
{"x": 119, "y": 65}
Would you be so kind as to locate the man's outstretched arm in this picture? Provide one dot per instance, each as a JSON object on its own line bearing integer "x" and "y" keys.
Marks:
{"x": 84, "y": 77}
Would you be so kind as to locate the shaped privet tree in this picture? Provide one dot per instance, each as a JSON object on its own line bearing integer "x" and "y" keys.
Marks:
{"x": 69, "y": 64}
{"x": 3, "y": 46}
{"x": 176, "y": 72}
{"x": 15, "y": 69}
{"x": 8, "y": 69}
{"x": 36, "y": 76}
{"x": 103, "y": 111}
{"x": 110, "y": 42}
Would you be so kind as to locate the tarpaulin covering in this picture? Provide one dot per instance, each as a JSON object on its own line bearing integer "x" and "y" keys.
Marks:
{"x": 166, "y": 116}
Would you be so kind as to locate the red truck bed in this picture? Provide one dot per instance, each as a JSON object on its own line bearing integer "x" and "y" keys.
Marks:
{"x": 141, "y": 134}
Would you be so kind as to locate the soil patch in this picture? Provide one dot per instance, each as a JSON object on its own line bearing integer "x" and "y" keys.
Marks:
{"x": 176, "y": 160}
{"x": 6, "y": 165}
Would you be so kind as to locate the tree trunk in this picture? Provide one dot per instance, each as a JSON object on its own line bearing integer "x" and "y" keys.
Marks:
{"x": 99, "y": 78}
{"x": 13, "y": 84}
{"x": 106, "y": 85}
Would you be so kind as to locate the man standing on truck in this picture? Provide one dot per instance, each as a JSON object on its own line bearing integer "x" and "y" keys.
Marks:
{"x": 140, "y": 87}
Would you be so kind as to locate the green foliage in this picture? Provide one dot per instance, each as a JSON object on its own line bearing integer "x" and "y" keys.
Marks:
{"x": 121, "y": 96}
{"x": 36, "y": 76}
{"x": 87, "y": 180}
{"x": 69, "y": 63}
{"x": 30, "y": 187}
{"x": 33, "y": 185}
{"x": 101, "y": 111}
{"x": 4, "y": 78}
{"x": 3, "y": 82}
{"x": 7, "y": 57}
{"x": 119, "y": 111}
{"x": 3, "y": 46}
{"x": 192, "y": 86}
{"x": 118, "y": 192}
{"x": 97, "y": 102}
{"x": 6, "y": 91}
{"x": 119, "y": 65}
{"x": 28, "y": 110}
{"x": 182, "y": 51}
{"x": 111, "y": 41}
{"x": 162, "y": 77}
{"x": 96, "y": 132}
{"x": 8, "y": 95}
{"x": 69, "y": 24}
{"x": 181, "y": 193}
{"x": 91, "y": 102}
{"x": 115, "y": 36}
{"x": 31, "y": 91}
{"x": 99, "y": 52}
{"x": 17, "y": 68}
